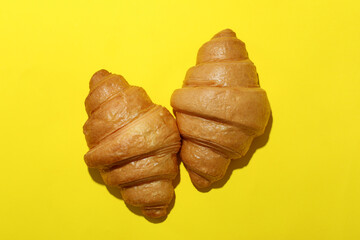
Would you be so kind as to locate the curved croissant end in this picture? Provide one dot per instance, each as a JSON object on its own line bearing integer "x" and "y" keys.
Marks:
{"x": 220, "y": 108}
{"x": 132, "y": 141}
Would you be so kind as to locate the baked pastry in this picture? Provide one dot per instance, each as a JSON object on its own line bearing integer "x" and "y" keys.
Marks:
{"x": 132, "y": 141}
{"x": 220, "y": 109}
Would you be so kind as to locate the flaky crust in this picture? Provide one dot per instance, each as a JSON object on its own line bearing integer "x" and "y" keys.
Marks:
{"x": 220, "y": 109}
{"x": 132, "y": 141}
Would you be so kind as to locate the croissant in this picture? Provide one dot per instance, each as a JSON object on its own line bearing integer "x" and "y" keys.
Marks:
{"x": 132, "y": 141}
{"x": 220, "y": 109}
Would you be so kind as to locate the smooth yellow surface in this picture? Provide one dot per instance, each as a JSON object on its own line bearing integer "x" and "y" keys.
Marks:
{"x": 303, "y": 184}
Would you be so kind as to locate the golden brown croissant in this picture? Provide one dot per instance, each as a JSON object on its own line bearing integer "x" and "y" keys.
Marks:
{"x": 132, "y": 141}
{"x": 220, "y": 108}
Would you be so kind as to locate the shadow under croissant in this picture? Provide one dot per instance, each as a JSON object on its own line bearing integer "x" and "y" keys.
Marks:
{"x": 95, "y": 175}
{"x": 257, "y": 143}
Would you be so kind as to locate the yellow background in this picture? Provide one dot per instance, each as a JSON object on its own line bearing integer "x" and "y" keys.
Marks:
{"x": 303, "y": 183}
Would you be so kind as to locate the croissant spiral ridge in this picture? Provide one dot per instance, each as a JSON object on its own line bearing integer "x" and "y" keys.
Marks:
{"x": 220, "y": 109}
{"x": 132, "y": 141}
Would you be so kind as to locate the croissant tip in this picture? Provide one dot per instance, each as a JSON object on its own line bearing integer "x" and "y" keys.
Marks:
{"x": 98, "y": 76}
{"x": 225, "y": 33}
{"x": 156, "y": 212}
{"x": 199, "y": 181}
{"x": 101, "y": 72}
